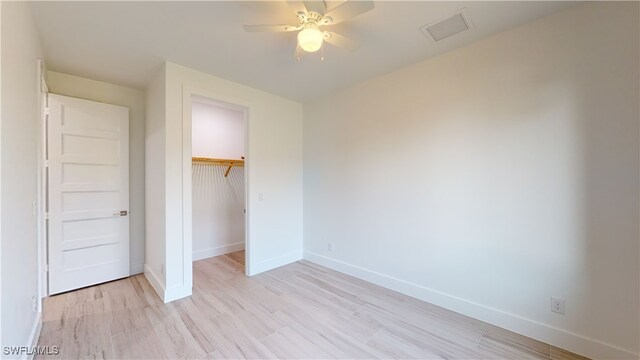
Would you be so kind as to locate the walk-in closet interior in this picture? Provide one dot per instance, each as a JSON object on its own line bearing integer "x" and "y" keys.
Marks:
{"x": 218, "y": 166}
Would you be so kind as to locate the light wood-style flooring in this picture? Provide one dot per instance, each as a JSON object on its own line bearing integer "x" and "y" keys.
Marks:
{"x": 299, "y": 311}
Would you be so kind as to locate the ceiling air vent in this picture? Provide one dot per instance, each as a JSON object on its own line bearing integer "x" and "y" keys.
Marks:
{"x": 444, "y": 28}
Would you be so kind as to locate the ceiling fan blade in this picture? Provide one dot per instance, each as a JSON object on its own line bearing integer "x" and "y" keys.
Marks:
{"x": 297, "y": 6}
{"x": 315, "y": 6}
{"x": 269, "y": 28}
{"x": 340, "y": 41}
{"x": 347, "y": 10}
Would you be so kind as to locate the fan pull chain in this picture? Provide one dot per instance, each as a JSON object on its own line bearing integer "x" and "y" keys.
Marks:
{"x": 322, "y": 52}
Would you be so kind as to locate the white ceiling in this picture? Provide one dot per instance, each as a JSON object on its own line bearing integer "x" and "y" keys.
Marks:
{"x": 126, "y": 42}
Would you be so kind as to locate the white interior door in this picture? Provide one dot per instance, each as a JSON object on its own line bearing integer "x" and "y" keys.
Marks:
{"x": 88, "y": 155}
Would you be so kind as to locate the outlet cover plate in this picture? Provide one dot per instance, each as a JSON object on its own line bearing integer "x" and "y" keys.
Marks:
{"x": 557, "y": 305}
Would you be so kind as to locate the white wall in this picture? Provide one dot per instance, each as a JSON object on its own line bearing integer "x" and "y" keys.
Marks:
{"x": 19, "y": 188}
{"x": 218, "y": 202}
{"x": 155, "y": 191}
{"x": 1, "y": 342}
{"x": 218, "y": 132}
{"x": 218, "y": 210}
{"x": 493, "y": 177}
{"x": 133, "y": 99}
{"x": 274, "y": 174}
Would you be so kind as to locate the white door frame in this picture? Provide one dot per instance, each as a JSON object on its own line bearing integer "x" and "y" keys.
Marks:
{"x": 188, "y": 93}
{"x": 41, "y": 210}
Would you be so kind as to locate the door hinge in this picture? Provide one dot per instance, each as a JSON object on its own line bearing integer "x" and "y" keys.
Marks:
{"x": 46, "y": 267}
{"x": 46, "y": 163}
{"x": 47, "y": 111}
{"x": 46, "y": 216}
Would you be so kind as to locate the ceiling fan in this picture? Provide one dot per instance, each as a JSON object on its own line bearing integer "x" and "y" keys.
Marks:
{"x": 312, "y": 15}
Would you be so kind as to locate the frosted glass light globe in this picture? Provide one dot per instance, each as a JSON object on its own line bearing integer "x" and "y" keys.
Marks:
{"x": 310, "y": 38}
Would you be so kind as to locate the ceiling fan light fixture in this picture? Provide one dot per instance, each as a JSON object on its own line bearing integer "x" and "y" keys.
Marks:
{"x": 310, "y": 38}
{"x": 312, "y": 15}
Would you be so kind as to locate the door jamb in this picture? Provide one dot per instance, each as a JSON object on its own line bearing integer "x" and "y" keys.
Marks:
{"x": 42, "y": 174}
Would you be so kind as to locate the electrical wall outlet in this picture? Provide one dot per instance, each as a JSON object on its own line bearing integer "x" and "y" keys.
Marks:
{"x": 34, "y": 304}
{"x": 557, "y": 305}
{"x": 330, "y": 247}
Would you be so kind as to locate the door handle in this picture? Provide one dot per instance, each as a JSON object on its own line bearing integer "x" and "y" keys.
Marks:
{"x": 121, "y": 213}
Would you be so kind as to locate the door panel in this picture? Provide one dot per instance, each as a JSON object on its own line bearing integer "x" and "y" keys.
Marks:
{"x": 88, "y": 188}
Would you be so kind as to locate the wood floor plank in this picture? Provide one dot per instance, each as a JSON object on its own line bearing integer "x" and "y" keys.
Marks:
{"x": 309, "y": 313}
{"x": 127, "y": 319}
{"x": 298, "y": 311}
{"x": 500, "y": 348}
{"x": 101, "y": 355}
{"x": 366, "y": 287}
{"x": 200, "y": 304}
{"x": 195, "y": 331}
{"x": 51, "y": 336}
{"x": 231, "y": 340}
{"x": 83, "y": 336}
{"x": 395, "y": 347}
{"x": 333, "y": 340}
{"x": 144, "y": 291}
{"x": 142, "y": 343}
{"x": 237, "y": 256}
{"x": 248, "y": 288}
{"x": 180, "y": 341}
{"x": 556, "y": 353}
{"x": 445, "y": 344}
{"x": 289, "y": 344}
{"x": 259, "y": 323}
{"x": 274, "y": 283}
{"x": 523, "y": 344}
{"x": 53, "y": 307}
{"x": 391, "y": 314}
{"x": 159, "y": 314}
{"x": 85, "y": 308}
{"x": 120, "y": 295}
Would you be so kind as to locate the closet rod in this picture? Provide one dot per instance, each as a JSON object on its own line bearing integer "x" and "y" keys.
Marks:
{"x": 223, "y": 162}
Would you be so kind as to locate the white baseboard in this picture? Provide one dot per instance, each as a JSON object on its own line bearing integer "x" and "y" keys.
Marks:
{"x": 154, "y": 280}
{"x": 136, "y": 269}
{"x": 579, "y": 344}
{"x": 216, "y": 251}
{"x": 34, "y": 335}
{"x": 167, "y": 295}
{"x": 176, "y": 293}
{"x": 274, "y": 262}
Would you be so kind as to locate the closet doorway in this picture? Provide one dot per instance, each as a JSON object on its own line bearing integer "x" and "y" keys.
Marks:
{"x": 218, "y": 149}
